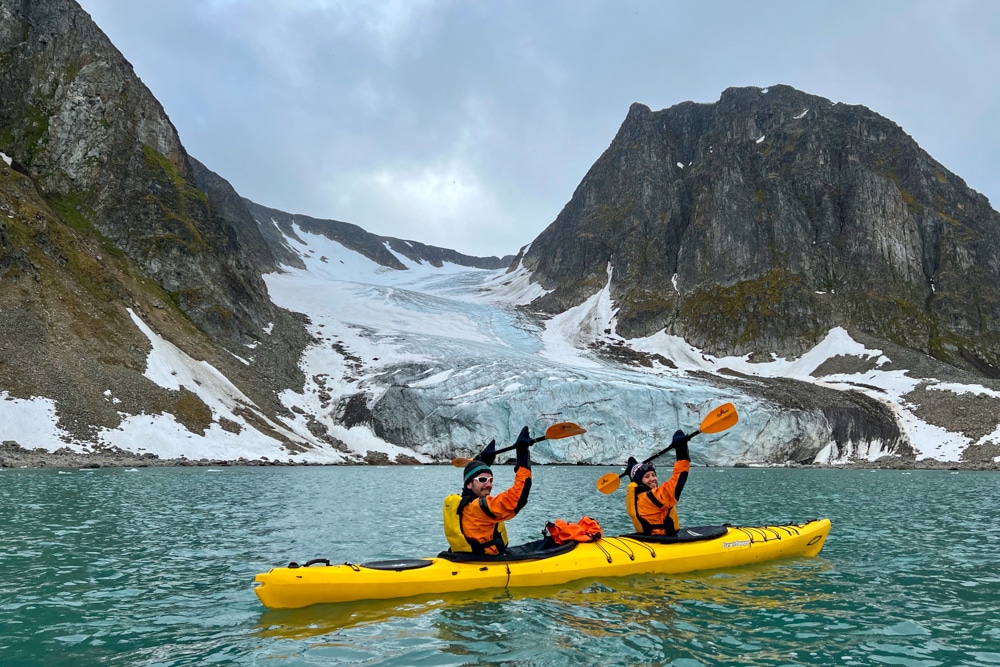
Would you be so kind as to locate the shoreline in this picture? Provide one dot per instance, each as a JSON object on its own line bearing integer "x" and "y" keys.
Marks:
{"x": 13, "y": 456}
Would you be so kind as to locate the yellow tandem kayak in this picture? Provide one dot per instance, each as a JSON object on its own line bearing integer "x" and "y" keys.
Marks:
{"x": 698, "y": 548}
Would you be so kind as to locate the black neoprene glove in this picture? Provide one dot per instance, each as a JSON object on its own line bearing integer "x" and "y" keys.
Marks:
{"x": 488, "y": 455}
{"x": 521, "y": 445}
{"x": 680, "y": 443}
{"x": 628, "y": 466}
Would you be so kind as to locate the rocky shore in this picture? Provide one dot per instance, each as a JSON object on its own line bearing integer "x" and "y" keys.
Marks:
{"x": 893, "y": 463}
{"x": 12, "y": 455}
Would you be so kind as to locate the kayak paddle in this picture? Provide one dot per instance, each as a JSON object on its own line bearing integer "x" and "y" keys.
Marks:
{"x": 554, "y": 432}
{"x": 719, "y": 419}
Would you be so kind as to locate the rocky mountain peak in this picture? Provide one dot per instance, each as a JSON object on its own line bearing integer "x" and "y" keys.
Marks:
{"x": 759, "y": 222}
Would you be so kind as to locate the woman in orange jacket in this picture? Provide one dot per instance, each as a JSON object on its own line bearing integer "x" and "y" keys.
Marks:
{"x": 651, "y": 505}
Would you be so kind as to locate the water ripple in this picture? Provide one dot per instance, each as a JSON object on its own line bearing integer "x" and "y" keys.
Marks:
{"x": 154, "y": 567}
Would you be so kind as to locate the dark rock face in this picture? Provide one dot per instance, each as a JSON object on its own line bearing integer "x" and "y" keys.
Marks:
{"x": 66, "y": 332}
{"x": 103, "y": 212}
{"x": 757, "y": 223}
{"x": 357, "y": 239}
{"x": 106, "y": 158}
{"x": 848, "y": 420}
{"x": 231, "y": 212}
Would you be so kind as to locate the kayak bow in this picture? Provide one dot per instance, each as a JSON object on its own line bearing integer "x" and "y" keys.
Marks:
{"x": 700, "y": 548}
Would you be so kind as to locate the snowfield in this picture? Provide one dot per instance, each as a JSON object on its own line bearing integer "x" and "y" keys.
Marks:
{"x": 446, "y": 361}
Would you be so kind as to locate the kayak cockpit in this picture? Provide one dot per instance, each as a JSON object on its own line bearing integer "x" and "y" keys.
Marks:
{"x": 397, "y": 565}
{"x": 695, "y": 534}
{"x": 536, "y": 550}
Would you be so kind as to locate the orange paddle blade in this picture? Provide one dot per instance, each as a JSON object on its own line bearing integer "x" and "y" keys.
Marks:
{"x": 460, "y": 461}
{"x": 720, "y": 419}
{"x": 563, "y": 430}
{"x": 609, "y": 482}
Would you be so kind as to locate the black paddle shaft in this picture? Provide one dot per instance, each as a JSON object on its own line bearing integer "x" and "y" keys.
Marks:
{"x": 510, "y": 447}
{"x": 665, "y": 450}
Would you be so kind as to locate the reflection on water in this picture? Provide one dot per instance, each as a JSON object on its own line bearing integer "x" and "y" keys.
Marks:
{"x": 155, "y": 567}
{"x": 576, "y": 604}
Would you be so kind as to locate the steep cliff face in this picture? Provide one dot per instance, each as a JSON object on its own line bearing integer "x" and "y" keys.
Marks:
{"x": 757, "y": 223}
{"x": 108, "y": 161}
{"x": 103, "y": 212}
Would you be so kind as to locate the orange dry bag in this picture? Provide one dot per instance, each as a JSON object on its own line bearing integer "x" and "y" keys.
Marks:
{"x": 585, "y": 530}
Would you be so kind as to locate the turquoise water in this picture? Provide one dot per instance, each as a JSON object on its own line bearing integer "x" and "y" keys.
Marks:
{"x": 155, "y": 567}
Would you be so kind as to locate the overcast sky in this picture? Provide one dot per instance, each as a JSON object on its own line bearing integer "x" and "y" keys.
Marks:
{"x": 467, "y": 124}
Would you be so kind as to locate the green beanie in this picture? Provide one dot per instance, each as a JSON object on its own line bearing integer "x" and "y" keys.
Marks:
{"x": 472, "y": 467}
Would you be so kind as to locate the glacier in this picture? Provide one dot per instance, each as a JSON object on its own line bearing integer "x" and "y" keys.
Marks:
{"x": 448, "y": 358}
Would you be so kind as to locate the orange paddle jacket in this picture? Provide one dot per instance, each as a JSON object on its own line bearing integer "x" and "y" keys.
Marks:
{"x": 481, "y": 517}
{"x": 654, "y": 511}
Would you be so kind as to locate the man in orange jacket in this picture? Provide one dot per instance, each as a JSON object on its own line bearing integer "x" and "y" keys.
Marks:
{"x": 481, "y": 515}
